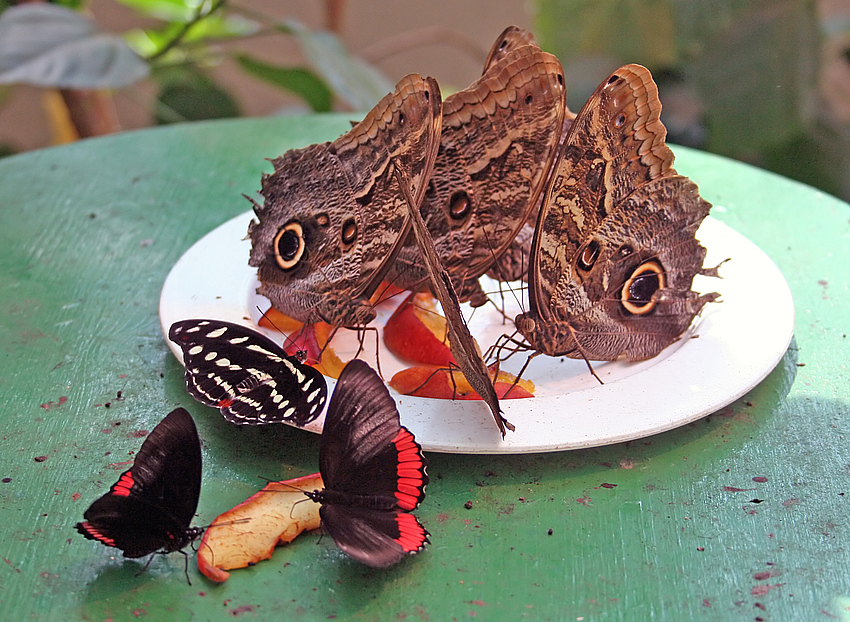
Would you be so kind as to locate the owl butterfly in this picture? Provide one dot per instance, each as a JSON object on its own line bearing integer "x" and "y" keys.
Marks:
{"x": 498, "y": 138}
{"x": 614, "y": 252}
{"x": 333, "y": 217}
{"x": 513, "y": 264}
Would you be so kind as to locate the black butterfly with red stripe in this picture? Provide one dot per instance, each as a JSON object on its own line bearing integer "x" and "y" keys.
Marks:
{"x": 246, "y": 375}
{"x": 373, "y": 470}
{"x": 149, "y": 508}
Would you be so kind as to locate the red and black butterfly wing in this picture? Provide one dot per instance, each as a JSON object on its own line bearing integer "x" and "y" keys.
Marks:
{"x": 133, "y": 525}
{"x": 364, "y": 449}
{"x": 151, "y": 505}
{"x": 247, "y": 375}
{"x": 374, "y": 467}
{"x": 376, "y": 538}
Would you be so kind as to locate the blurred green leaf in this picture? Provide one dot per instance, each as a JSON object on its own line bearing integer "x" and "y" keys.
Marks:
{"x": 752, "y": 63}
{"x": 352, "y": 80}
{"x": 187, "y": 94}
{"x": 71, "y": 4}
{"x": 167, "y": 10}
{"x": 757, "y": 75}
{"x": 150, "y": 41}
{"x": 640, "y": 30}
{"x": 298, "y": 80}
{"x": 53, "y": 46}
{"x": 819, "y": 158}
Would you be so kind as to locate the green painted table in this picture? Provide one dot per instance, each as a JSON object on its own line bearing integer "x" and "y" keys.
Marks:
{"x": 742, "y": 515}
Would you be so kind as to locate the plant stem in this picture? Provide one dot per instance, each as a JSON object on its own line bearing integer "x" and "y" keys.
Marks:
{"x": 333, "y": 15}
{"x": 199, "y": 15}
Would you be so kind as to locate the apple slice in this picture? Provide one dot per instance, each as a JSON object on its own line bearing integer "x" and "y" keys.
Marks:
{"x": 249, "y": 532}
{"x": 275, "y": 320}
{"x": 447, "y": 384}
{"x": 416, "y": 332}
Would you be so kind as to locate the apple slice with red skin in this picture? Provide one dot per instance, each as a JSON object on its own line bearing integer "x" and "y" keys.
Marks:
{"x": 249, "y": 532}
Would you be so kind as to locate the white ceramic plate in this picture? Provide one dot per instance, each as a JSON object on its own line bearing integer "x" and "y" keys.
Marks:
{"x": 730, "y": 349}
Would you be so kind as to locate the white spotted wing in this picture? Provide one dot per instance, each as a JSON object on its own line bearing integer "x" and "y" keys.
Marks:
{"x": 247, "y": 375}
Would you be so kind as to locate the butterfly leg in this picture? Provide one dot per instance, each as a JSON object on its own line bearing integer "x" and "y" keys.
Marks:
{"x": 521, "y": 372}
{"x": 147, "y": 563}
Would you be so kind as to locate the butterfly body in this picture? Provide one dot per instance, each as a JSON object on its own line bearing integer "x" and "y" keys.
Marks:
{"x": 373, "y": 470}
{"x": 247, "y": 375}
{"x": 614, "y": 252}
{"x": 149, "y": 508}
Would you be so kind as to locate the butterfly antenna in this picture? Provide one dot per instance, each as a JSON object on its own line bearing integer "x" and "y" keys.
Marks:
{"x": 502, "y": 282}
{"x": 272, "y": 481}
{"x": 264, "y": 315}
{"x": 287, "y": 339}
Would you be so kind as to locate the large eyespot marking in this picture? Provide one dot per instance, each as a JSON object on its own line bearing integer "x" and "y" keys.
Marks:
{"x": 459, "y": 205}
{"x": 349, "y": 231}
{"x": 588, "y": 256}
{"x": 638, "y": 290}
{"x": 289, "y": 245}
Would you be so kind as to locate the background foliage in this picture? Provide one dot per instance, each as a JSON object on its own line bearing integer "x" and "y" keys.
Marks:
{"x": 764, "y": 81}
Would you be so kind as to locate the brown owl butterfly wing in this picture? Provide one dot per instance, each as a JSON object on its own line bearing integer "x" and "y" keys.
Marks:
{"x": 498, "y": 140}
{"x": 333, "y": 217}
{"x": 513, "y": 263}
{"x": 614, "y": 253}
{"x": 511, "y": 39}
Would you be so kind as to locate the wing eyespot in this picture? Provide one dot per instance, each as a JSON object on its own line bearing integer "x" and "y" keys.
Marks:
{"x": 588, "y": 256}
{"x": 637, "y": 294}
{"x": 460, "y": 205}
{"x": 289, "y": 245}
{"x": 349, "y": 232}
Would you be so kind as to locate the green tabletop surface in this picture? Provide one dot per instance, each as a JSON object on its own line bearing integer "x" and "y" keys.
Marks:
{"x": 742, "y": 515}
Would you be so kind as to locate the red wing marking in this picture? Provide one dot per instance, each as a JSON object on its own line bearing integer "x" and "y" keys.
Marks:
{"x": 410, "y": 470}
{"x": 92, "y": 531}
{"x": 225, "y": 402}
{"x": 124, "y": 485}
{"x": 412, "y": 536}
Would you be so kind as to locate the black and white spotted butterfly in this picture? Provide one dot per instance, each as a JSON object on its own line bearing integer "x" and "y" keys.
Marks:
{"x": 247, "y": 375}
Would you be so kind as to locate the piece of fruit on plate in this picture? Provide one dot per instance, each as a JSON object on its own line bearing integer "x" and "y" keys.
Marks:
{"x": 249, "y": 532}
{"x": 450, "y": 384}
{"x": 416, "y": 332}
{"x": 309, "y": 342}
